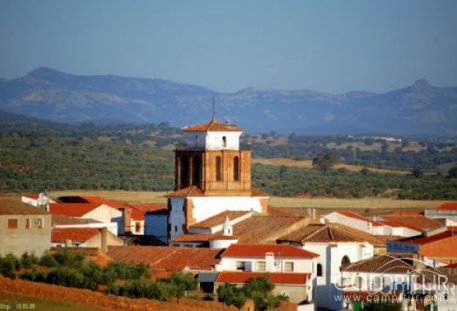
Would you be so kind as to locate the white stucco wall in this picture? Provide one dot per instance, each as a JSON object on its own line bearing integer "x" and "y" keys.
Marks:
{"x": 105, "y": 214}
{"x": 301, "y": 265}
{"x": 111, "y": 227}
{"x": 330, "y": 257}
{"x": 214, "y": 140}
{"x": 206, "y": 207}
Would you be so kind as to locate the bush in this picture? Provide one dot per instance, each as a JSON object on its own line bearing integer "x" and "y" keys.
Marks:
{"x": 66, "y": 276}
{"x": 8, "y": 265}
{"x": 48, "y": 260}
{"x": 28, "y": 261}
{"x": 229, "y": 294}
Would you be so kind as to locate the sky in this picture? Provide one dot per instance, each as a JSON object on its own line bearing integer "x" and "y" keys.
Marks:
{"x": 329, "y": 46}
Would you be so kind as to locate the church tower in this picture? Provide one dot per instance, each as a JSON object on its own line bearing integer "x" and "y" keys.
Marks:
{"x": 213, "y": 161}
{"x": 212, "y": 175}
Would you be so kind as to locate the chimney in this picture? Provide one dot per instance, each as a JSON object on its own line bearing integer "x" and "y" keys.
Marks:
{"x": 68, "y": 243}
{"x": 104, "y": 240}
{"x": 127, "y": 220}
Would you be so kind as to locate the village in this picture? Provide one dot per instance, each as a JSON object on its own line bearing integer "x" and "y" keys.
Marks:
{"x": 221, "y": 230}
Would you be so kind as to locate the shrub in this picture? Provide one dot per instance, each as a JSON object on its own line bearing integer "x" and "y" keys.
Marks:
{"x": 48, "y": 260}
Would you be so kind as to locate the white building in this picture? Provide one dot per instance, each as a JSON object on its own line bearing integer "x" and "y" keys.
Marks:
{"x": 336, "y": 246}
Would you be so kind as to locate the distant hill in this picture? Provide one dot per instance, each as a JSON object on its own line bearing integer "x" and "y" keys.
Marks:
{"x": 418, "y": 110}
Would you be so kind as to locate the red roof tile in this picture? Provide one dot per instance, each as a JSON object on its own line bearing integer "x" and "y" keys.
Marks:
{"x": 167, "y": 257}
{"x": 139, "y": 210}
{"x": 415, "y": 222}
{"x": 358, "y": 216}
{"x": 74, "y": 234}
{"x": 191, "y": 191}
{"x": 448, "y": 206}
{"x": 200, "y": 237}
{"x": 31, "y": 196}
{"x": 421, "y": 240}
{"x": 110, "y": 203}
{"x": 8, "y": 207}
{"x": 219, "y": 219}
{"x": 72, "y": 209}
{"x": 213, "y": 126}
{"x": 259, "y": 250}
{"x": 276, "y": 278}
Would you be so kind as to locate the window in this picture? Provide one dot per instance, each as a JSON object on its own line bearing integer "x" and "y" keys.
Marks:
{"x": 224, "y": 141}
{"x": 319, "y": 269}
{"x": 39, "y": 223}
{"x": 241, "y": 265}
{"x": 289, "y": 266}
{"x": 261, "y": 266}
{"x": 137, "y": 226}
{"x": 218, "y": 168}
{"x": 345, "y": 260}
{"x": 12, "y": 223}
{"x": 176, "y": 228}
{"x": 27, "y": 223}
{"x": 236, "y": 169}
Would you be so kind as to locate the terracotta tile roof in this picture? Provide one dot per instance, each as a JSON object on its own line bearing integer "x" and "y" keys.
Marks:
{"x": 448, "y": 206}
{"x": 381, "y": 264}
{"x": 319, "y": 233}
{"x": 191, "y": 191}
{"x": 139, "y": 210}
{"x": 65, "y": 220}
{"x": 406, "y": 213}
{"x": 415, "y": 222}
{"x": 72, "y": 209}
{"x": 167, "y": 258}
{"x": 422, "y": 240}
{"x": 259, "y": 250}
{"x": 276, "y": 278}
{"x": 358, "y": 216}
{"x": 213, "y": 126}
{"x": 110, "y": 203}
{"x": 11, "y": 207}
{"x": 80, "y": 235}
{"x": 265, "y": 229}
{"x": 287, "y": 211}
{"x": 219, "y": 219}
{"x": 200, "y": 237}
{"x": 31, "y": 196}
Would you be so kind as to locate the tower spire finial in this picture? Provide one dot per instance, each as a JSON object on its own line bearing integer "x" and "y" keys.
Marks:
{"x": 214, "y": 111}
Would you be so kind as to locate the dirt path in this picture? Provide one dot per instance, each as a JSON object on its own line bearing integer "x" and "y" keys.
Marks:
{"x": 90, "y": 298}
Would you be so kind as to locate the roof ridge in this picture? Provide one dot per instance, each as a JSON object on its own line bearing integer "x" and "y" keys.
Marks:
{"x": 314, "y": 233}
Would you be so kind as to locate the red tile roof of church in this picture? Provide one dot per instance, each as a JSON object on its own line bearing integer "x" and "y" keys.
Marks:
{"x": 275, "y": 277}
{"x": 213, "y": 126}
{"x": 448, "y": 206}
{"x": 72, "y": 209}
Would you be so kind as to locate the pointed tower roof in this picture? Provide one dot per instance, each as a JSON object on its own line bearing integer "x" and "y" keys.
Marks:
{"x": 213, "y": 126}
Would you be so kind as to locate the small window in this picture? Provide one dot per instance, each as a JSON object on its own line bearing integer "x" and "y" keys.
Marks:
{"x": 176, "y": 228}
{"x": 137, "y": 226}
{"x": 27, "y": 223}
{"x": 288, "y": 266}
{"x": 236, "y": 169}
{"x": 12, "y": 223}
{"x": 319, "y": 269}
{"x": 39, "y": 223}
{"x": 224, "y": 141}
{"x": 345, "y": 260}
{"x": 218, "y": 168}
{"x": 241, "y": 265}
{"x": 261, "y": 266}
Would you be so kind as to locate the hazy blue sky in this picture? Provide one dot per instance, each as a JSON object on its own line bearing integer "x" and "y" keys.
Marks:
{"x": 333, "y": 46}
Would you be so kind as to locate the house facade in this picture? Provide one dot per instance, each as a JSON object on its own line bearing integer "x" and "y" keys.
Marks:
{"x": 24, "y": 228}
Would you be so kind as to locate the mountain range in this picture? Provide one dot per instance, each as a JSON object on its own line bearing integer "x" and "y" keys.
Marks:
{"x": 418, "y": 110}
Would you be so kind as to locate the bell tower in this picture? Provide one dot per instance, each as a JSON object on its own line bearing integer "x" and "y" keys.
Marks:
{"x": 213, "y": 161}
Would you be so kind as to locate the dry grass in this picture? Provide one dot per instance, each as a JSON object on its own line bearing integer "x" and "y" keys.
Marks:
{"x": 308, "y": 164}
{"x": 370, "y": 203}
